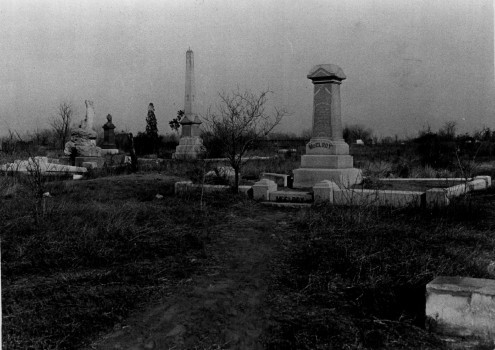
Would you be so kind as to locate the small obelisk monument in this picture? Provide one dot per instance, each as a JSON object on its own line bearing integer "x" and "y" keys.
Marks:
{"x": 327, "y": 155}
{"x": 190, "y": 144}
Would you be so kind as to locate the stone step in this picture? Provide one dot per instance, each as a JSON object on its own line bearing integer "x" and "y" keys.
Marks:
{"x": 291, "y": 197}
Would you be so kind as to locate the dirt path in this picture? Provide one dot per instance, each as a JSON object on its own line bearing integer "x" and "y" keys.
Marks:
{"x": 224, "y": 306}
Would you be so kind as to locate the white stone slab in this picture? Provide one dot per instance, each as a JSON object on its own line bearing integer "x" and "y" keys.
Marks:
{"x": 462, "y": 306}
{"x": 41, "y": 165}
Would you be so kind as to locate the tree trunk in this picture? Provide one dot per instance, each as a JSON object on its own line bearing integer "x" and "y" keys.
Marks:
{"x": 236, "y": 181}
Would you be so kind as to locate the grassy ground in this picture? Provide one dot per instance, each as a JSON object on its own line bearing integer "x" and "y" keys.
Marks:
{"x": 355, "y": 278}
{"x": 101, "y": 248}
{"x": 234, "y": 273}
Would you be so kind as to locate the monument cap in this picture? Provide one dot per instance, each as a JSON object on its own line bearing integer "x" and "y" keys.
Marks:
{"x": 186, "y": 121}
{"x": 326, "y": 71}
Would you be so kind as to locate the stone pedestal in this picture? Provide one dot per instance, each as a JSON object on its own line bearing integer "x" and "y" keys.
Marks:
{"x": 109, "y": 146}
{"x": 327, "y": 155}
{"x": 190, "y": 144}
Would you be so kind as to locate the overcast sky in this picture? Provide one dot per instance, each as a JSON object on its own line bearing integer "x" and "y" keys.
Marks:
{"x": 408, "y": 62}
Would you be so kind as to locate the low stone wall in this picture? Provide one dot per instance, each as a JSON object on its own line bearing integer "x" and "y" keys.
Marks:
{"x": 377, "y": 197}
{"x": 183, "y": 187}
{"x": 328, "y": 191}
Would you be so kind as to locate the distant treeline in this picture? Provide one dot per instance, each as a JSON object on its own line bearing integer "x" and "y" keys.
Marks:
{"x": 432, "y": 148}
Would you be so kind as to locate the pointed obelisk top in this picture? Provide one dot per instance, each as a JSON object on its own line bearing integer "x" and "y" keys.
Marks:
{"x": 189, "y": 97}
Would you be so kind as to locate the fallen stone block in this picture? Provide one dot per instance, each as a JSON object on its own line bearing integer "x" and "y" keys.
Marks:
{"x": 462, "y": 306}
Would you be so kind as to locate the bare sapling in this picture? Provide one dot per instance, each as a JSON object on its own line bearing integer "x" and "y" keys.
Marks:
{"x": 240, "y": 121}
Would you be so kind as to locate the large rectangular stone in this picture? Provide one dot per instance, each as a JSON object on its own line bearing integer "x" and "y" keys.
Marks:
{"x": 327, "y": 161}
{"x": 462, "y": 306}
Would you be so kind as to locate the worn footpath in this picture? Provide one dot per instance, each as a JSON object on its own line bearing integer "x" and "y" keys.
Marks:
{"x": 224, "y": 306}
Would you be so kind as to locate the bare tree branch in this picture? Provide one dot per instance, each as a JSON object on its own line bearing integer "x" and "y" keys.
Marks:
{"x": 61, "y": 122}
{"x": 241, "y": 121}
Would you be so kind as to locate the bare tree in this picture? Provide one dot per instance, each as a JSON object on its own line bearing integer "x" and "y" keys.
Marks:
{"x": 61, "y": 122}
{"x": 241, "y": 120}
{"x": 449, "y": 129}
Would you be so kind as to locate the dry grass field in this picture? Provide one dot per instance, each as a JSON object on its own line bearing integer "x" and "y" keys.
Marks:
{"x": 83, "y": 267}
{"x": 105, "y": 264}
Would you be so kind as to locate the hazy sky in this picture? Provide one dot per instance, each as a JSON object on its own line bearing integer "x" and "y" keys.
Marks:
{"x": 408, "y": 62}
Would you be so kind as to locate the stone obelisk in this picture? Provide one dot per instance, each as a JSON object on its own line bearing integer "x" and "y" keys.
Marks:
{"x": 190, "y": 144}
{"x": 327, "y": 155}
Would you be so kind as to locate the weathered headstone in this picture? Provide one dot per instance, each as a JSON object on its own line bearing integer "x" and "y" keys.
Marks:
{"x": 109, "y": 146}
{"x": 327, "y": 155}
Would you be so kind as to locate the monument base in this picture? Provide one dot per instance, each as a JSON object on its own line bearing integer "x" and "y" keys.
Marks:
{"x": 308, "y": 177}
{"x": 100, "y": 161}
{"x": 105, "y": 151}
{"x": 327, "y": 161}
{"x": 189, "y": 148}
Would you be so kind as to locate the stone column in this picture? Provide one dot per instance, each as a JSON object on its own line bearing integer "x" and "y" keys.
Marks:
{"x": 327, "y": 119}
{"x": 190, "y": 143}
{"x": 327, "y": 155}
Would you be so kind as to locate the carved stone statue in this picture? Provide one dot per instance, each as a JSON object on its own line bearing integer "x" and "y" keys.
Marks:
{"x": 83, "y": 139}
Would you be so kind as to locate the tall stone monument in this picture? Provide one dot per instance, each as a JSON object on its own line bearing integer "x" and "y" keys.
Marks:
{"x": 327, "y": 155}
{"x": 190, "y": 143}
